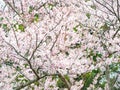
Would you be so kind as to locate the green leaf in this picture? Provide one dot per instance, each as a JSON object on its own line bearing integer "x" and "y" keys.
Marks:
{"x": 87, "y": 0}
{"x": 36, "y": 17}
{"x": 102, "y": 85}
{"x": 105, "y": 27}
{"x": 93, "y": 7}
{"x": 54, "y": 77}
{"x": 20, "y": 76}
{"x": 110, "y": 56}
{"x": 25, "y": 65}
{"x": 114, "y": 67}
{"x": 4, "y": 26}
{"x": 18, "y": 68}
{"x": 99, "y": 55}
{"x": 0, "y": 65}
{"x": 78, "y": 78}
{"x": 94, "y": 58}
{"x": 33, "y": 88}
{"x": 88, "y": 15}
{"x": 37, "y": 83}
{"x": 1, "y": 18}
{"x": 21, "y": 27}
{"x": 61, "y": 84}
{"x": 67, "y": 54}
{"x": 9, "y": 63}
{"x": 91, "y": 53}
{"x": 88, "y": 79}
{"x": 75, "y": 29}
{"x": 17, "y": 79}
{"x": 76, "y": 45}
{"x": 31, "y": 8}
{"x": 67, "y": 77}
{"x": 50, "y": 6}
{"x": 24, "y": 80}
{"x": 51, "y": 86}
{"x": 96, "y": 71}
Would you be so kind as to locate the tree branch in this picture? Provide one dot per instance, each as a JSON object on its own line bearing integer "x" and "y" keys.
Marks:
{"x": 28, "y": 61}
{"x": 116, "y": 33}
{"x": 29, "y": 83}
{"x": 68, "y": 84}
{"x": 12, "y": 8}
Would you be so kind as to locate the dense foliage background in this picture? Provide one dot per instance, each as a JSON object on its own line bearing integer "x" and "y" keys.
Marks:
{"x": 60, "y": 45}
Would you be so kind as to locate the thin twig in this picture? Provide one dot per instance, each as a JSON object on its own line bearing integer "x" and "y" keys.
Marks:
{"x": 116, "y": 33}
{"x": 13, "y": 31}
{"x": 55, "y": 41}
{"x": 16, "y": 50}
{"x": 13, "y": 8}
{"x": 28, "y": 61}
{"x": 21, "y": 6}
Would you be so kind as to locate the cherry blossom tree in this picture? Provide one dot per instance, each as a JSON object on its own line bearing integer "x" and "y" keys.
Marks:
{"x": 60, "y": 45}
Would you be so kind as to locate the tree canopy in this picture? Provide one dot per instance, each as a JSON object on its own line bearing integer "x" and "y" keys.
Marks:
{"x": 60, "y": 45}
